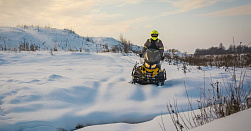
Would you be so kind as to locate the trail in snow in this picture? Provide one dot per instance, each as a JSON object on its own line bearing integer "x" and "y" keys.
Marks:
{"x": 40, "y": 37}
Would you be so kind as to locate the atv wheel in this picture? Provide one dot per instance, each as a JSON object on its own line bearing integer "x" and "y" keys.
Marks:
{"x": 160, "y": 83}
{"x": 133, "y": 81}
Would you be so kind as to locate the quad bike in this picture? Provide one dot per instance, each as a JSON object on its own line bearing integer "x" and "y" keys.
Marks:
{"x": 150, "y": 72}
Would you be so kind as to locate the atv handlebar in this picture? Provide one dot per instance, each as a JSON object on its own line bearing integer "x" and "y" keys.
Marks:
{"x": 141, "y": 55}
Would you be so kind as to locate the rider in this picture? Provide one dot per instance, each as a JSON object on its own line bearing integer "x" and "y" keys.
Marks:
{"x": 154, "y": 43}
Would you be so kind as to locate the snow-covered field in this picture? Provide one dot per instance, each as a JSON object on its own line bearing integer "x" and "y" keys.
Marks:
{"x": 39, "y": 91}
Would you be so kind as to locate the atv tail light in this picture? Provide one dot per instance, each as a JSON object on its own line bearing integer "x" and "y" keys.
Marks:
{"x": 147, "y": 65}
{"x": 153, "y": 66}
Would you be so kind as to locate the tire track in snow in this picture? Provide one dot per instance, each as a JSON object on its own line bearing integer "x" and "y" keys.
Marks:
{"x": 109, "y": 83}
{"x": 39, "y": 36}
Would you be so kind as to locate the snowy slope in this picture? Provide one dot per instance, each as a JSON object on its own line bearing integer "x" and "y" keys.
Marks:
{"x": 236, "y": 122}
{"x": 39, "y": 91}
{"x": 49, "y": 38}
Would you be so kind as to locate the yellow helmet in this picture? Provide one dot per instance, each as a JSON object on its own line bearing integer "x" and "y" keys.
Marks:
{"x": 154, "y": 35}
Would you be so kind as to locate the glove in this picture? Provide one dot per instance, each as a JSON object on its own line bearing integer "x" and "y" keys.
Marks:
{"x": 162, "y": 58}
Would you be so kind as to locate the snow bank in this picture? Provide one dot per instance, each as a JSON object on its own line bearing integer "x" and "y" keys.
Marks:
{"x": 236, "y": 122}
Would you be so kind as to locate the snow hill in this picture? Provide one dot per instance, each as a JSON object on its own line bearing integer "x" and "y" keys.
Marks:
{"x": 38, "y": 38}
{"x": 44, "y": 92}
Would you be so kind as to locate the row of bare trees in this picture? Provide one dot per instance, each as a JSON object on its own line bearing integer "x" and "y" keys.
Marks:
{"x": 228, "y": 60}
{"x": 239, "y": 49}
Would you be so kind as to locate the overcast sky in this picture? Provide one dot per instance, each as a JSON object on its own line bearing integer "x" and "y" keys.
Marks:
{"x": 182, "y": 24}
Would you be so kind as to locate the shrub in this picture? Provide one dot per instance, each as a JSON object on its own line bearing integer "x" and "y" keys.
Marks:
{"x": 219, "y": 101}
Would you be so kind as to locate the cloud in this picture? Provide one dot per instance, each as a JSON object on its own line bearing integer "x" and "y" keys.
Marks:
{"x": 84, "y": 15}
{"x": 40, "y": 12}
{"x": 149, "y": 26}
{"x": 179, "y": 6}
{"x": 16, "y": 10}
{"x": 126, "y": 2}
{"x": 99, "y": 29}
{"x": 240, "y": 10}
